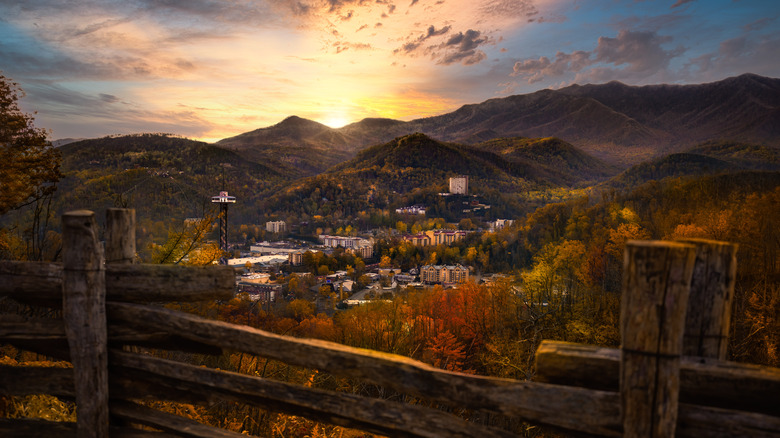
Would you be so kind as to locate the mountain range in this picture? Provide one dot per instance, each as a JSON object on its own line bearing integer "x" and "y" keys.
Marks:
{"x": 518, "y": 152}
{"x": 620, "y": 124}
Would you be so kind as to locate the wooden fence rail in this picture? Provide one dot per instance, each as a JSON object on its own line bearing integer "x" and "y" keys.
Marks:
{"x": 606, "y": 392}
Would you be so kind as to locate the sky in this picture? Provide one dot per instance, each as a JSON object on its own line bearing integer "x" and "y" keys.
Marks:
{"x": 212, "y": 69}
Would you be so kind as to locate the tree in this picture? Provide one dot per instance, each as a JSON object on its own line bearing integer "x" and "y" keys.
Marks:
{"x": 30, "y": 165}
{"x": 187, "y": 241}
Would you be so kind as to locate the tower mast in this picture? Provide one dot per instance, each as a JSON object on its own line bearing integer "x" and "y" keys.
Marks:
{"x": 223, "y": 199}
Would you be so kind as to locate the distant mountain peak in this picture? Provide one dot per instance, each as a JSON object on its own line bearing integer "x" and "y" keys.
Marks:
{"x": 300, "y": 122}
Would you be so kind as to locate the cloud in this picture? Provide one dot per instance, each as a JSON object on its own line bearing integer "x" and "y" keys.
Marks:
{"x": 463, "y": 48}
{"x": 458, "y": 48}
{"x": 641, "y": 51}
{"x": 759, "y": 24}
{"x": 525, "y": 9}
{"x": 412, "y": 46}
{"x": 536, "y": 70}
{"x": 734, "y": 56}
{"x": 108, "y": 98}
{"x": 343, "y": 45}
{"x": 681, "y": 2}
{"x": 638, "y": 54}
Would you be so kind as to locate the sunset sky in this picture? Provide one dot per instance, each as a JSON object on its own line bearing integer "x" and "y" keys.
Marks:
{"x": 210, "y": 69}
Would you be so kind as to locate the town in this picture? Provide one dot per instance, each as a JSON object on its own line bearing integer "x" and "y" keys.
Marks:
{"x": 264, "y": 270}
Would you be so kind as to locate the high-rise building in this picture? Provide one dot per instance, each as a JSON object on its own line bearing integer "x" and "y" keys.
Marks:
{"x": 459, "y": 185}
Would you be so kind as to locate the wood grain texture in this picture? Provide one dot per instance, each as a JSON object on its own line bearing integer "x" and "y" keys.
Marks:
{"x": 369, "y": 414}
{"x": 706, "y": 382}
{"x": 29, "y": 428}
{"x": 528, "y": 400}
{"x": 41, "y": 283}
{"x": 35, "y": 283}
{"x": 174, "y": 424}
{"x": 120, "y": 235}
{"x": 84, "y": 313}
{"x": 709, "y": 304}
{"x": 16, "y": 380}
{"x": 47, "y": 336}
{"x": 656, "y": 283}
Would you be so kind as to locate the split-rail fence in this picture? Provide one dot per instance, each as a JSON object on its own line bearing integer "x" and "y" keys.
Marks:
{"x": 669, "y": 378}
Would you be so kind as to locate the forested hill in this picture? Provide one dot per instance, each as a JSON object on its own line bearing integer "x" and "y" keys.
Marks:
{"x": 415, "y": 168}
{"x": 161, "y": 176}
{"x": 303, "y": 147}
{"x": 706, "y": 159}
{"x": 561, "y": 161}
{"x": 417, "y": 161}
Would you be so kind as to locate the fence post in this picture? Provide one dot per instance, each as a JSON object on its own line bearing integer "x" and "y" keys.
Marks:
{"x": 120, "y": 235}
{"x": 656, "y": 281}
{"x": 84, "y": 312}
{"x": 709, "y": 304}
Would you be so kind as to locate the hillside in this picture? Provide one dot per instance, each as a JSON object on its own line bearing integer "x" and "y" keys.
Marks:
{"x": 301, "y": 147}
{"x": 409, "y": 170}
{"x": 671, "y": 166}
{"x": 556, "y": 159}
{"x": 745, "y": 155}
{"x": 617, "y": 123}
{"x": 744, "y": 108}
{"x": 161, "y": 176}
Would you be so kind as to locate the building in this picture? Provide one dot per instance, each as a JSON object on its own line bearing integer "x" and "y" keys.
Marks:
{"x": 276, "y": 227}
{"x": 439, "y": 274}
{"x": 459, "y": 185}
{"x": 365, "y": 252}
{"x": 414, "y": 209}
{"x": 260, "y": 292}
{"x": 296, "y": 258}
{"x": 436, "y": 237}
{"x": 418, "y": 239}
{"x": 446, "y": 237}
{"x": 264, "y": 248}
{"x": 499, "y": 224}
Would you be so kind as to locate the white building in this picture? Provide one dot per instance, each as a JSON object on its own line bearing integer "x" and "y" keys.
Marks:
{"x": 459, "y": 185}
{"x": 499, "y": 224}
{"x": 276, "y": 227}
{"x": 414, "y": 209}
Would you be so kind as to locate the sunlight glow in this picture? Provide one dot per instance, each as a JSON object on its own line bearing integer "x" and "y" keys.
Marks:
{"x": 335, "y": 121}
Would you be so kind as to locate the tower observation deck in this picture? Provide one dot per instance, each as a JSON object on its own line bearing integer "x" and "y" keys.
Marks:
{"x": 223, "y": 199}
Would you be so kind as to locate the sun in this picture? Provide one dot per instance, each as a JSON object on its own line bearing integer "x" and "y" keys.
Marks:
{"x": 335, "y": 121}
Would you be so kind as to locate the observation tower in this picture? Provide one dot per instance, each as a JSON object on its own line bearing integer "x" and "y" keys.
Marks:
{"x": 223, "y": 199}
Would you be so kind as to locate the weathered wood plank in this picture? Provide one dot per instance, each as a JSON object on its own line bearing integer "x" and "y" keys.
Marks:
{"x": 576, "y": 409}
{"x": 656, "y": 282}
{"x": 36, "y": 283}
{"x": 120, "y": 235}
{"x": 21, "y": 327}
{"x": 168, "y": 283}
{"x": 706, "y": 382}
{"x": 84, "y": 313}
{"x": 34, "y": 428}
{"x": 504, "y": 396}
{"x": 19, "y": 381}
{"x": 47, "y": 336}
{"x": 41, "y": 283}
{"x": 701, "y": 421}
{"x": 708, "y": 317}
{"x": 373, "y": 415}
{"x": 174, "y": 424}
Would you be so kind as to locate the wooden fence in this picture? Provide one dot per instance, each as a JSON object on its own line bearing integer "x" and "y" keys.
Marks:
{"x": 660, "y": 383}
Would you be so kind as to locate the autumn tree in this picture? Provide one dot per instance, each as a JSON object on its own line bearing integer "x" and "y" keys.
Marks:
{"x": 186, "y": 244}
{"x": 30, "y": 164}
